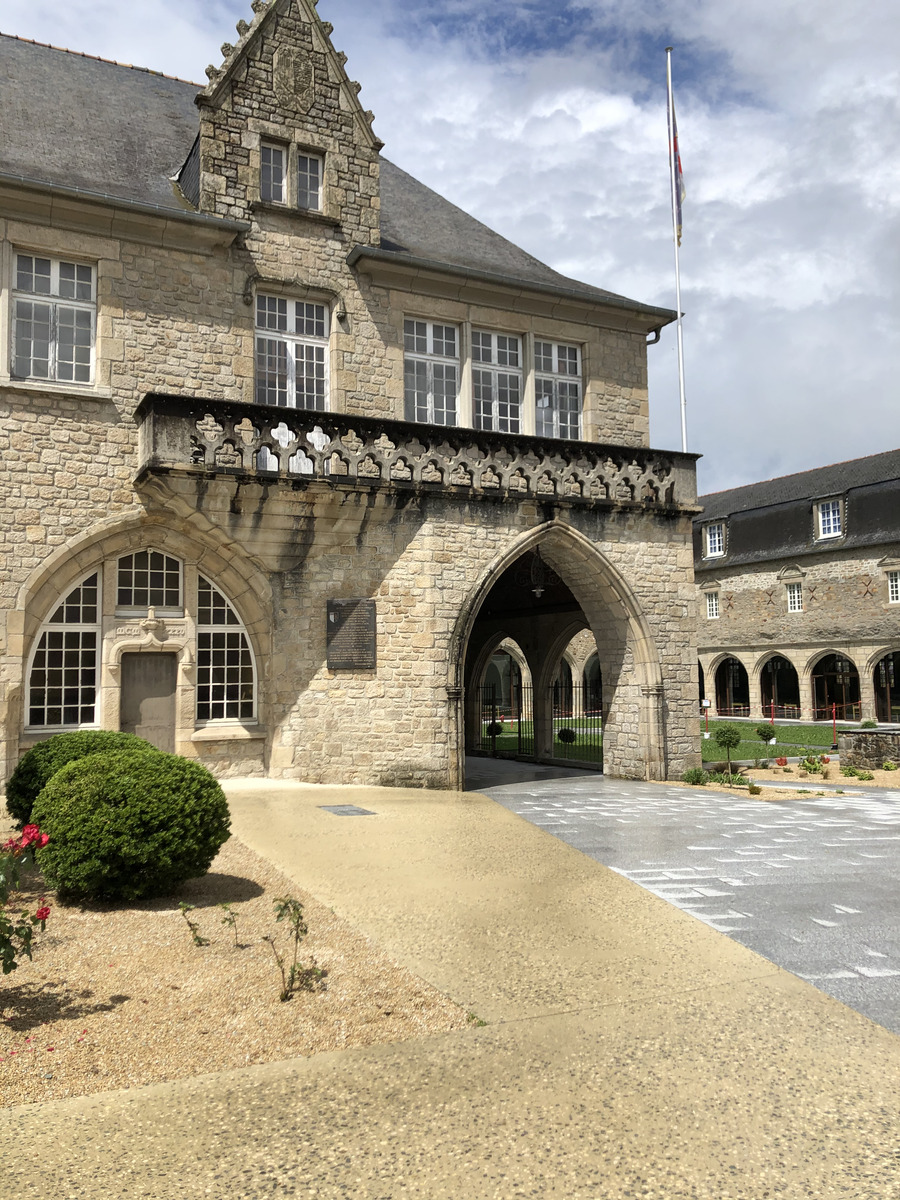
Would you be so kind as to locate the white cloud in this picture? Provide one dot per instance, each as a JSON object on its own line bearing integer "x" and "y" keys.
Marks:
{"x": 788, "y": 119}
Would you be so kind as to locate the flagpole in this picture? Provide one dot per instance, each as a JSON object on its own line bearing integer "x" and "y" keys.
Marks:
{"x": 677, "y": 239}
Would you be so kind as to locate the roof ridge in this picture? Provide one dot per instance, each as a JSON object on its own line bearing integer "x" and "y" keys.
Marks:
{"x": 113, "y": 62}
{"x": 844, "y": 462}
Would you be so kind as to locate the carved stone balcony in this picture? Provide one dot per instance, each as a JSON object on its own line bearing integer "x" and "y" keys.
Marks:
{"x": 299, "y": 448}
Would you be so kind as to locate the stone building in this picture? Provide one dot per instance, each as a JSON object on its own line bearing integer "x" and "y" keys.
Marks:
{"x": 799, "y": 587}
{"x": 282, "y": 429}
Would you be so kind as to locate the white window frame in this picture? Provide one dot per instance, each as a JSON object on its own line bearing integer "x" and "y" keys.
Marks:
{"x": 273, "y": 172}
{"x": 227, "y": 621}
{"x": 67, "y": 627}
{"x": 712, "y": 606}
{"x": 309, "y": 197}
{"x": 426, "y": 365}
{"x": 61, "y": 310}
{"x": 558, "y": 378}
{"x": 234, "y": 628}
{"x": 794, "y": 597}
{"x": 169, "y": 566}
{"x": 292, "y": 334}
{"x": 829, "y": 519}
{"x": 893, "y": 582}
{"x": 497, "y": 381}
{"x": 714, "y": 540}
{"x": 291, "y": 176}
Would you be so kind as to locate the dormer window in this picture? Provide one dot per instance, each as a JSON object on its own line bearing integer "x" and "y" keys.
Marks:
{"x": 291, "y": 177}
{"x": 829, "y": 519}
{"x": 714, "y": 540}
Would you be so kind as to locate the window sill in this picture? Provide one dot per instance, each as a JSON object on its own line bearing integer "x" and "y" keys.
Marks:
{"x": 49, "y": 387}
{"x": 287, "y": 210}
{"x": 228, "y": 733}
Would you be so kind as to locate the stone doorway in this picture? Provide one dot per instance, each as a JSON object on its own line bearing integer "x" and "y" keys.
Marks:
{"x": 147, "y": 705}
{"x": 560, "y": 603}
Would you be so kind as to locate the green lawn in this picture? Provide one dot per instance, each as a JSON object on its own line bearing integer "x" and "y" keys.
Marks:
{"x": 588, "y": 747}
{"x": 793, "y": 740}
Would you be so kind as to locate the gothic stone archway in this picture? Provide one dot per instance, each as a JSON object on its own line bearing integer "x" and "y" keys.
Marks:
{"x": 580, "y": 590}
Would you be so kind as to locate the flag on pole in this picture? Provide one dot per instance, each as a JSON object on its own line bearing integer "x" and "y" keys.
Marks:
{"x": 678, "y": 189}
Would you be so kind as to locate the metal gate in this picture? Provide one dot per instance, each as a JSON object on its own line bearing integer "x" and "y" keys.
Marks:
{"x": 577, "y": 724}
{"x": 505, "y": 726}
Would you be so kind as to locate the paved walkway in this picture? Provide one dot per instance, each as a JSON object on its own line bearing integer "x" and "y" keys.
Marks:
{"x": 629, "y": 1051}
{"x": 811, "y": 884}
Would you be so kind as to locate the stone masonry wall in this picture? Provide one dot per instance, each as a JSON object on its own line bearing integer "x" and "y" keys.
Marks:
{"x": 868, "y": 748}
{"x": 846, "y": 611}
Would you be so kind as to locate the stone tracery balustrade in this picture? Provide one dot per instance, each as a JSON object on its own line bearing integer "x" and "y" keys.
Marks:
{"x": 292, "y": 445}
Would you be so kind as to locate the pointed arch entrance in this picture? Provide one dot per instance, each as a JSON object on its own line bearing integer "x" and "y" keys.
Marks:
{"x": 552, "y": 584}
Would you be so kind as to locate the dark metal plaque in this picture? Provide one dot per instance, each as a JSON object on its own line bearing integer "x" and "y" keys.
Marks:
{"x": 350, "y": 635}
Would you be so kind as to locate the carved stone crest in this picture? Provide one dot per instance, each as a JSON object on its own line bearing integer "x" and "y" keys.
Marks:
{"x": 292, "y": 78}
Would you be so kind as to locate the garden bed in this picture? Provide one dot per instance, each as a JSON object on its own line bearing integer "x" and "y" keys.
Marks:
{"x": 119, "y": 996}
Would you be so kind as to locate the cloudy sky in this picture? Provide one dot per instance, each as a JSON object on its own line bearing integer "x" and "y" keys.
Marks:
{"x": 547, "y": 121}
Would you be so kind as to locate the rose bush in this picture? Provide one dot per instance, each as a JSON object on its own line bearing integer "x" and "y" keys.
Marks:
{"x": 17, "y": 933}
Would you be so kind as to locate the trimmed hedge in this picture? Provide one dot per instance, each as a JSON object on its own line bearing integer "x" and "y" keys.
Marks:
{"x": 38, "y": 766}
{"x": 125, "y": 825}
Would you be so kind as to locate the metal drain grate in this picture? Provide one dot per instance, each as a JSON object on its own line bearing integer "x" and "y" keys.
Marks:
{"x": 346, "y": 810}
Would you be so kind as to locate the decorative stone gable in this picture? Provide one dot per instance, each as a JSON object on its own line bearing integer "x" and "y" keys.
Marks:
{"x": 282, "y": 85}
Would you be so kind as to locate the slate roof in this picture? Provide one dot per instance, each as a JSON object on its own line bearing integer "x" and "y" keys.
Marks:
{"x": 774, "y": 520}
{"x": 75, "y": 121}
{"x": 817, "y": 484}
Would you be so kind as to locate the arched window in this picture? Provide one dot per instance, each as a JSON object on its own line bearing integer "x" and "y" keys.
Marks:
{"x": 226, "y": 678}
{"x": 149, "y": 579}
{"x": 64, "y": 674}
{"x": 62, "y": 682}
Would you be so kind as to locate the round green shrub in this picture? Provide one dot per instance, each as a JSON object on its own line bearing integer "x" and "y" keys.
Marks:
{"x": 40, "y": 764}
{"x": 126, "y": 824}
{"x": 567, "y": 735}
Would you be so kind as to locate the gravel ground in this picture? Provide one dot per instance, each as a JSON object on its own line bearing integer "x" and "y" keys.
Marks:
{"x": 119, "y": 996}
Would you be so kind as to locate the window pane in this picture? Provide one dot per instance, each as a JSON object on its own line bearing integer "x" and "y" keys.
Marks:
{"x": 271, "y": 372}
{"x": 415, "y": 377}
{"x": 309, "y": 182}
{"x": 149, "y": 579}
{"x": 311, "y": 320}
{"x": 271, "y": 183}
{"x": 32, "y": 339}
{"x": 271, "y": 313}
{"x": 482, "y": 347}
{"x": 310, "y": 374}
{"x": 62, "y": 683}
{"x": 415, "y": 336}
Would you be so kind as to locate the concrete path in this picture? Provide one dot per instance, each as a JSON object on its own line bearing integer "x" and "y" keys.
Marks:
{"x": 629, "y": 1051}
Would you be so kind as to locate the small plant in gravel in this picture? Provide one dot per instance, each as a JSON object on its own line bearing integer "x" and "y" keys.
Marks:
{"x": 17, "y": 933}
{"x": 696, "y": 776}
{"x": 781, "y": 762}
{"x": 889, "y": 765}
{"x": 230, "y": 919}
{"x": 198, "y": 939}
{"x": 294, "y": 977}
{"x": 728, "y": 737}
{"x": 754, "y": 789}
{"x": 856, "y": 773}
